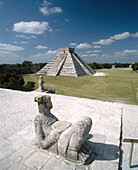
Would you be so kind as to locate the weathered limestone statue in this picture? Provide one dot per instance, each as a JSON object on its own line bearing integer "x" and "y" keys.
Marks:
{"x": 61, "y": 137}
{"x": 113, "y": 66}
{"x": 41, "y": 82}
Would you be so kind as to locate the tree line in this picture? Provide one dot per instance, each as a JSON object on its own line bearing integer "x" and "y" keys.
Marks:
{"x": 108, "y": 65}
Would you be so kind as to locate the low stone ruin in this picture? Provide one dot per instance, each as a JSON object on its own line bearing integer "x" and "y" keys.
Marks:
{"x": 61, "y": 137}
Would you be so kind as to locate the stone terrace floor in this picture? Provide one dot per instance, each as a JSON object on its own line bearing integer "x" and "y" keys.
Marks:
{"x": 112, "y": 122}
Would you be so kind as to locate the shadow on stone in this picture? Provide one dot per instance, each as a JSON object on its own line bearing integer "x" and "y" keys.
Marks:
{"x": 89, "y": 136}
{"x": 51, "y": 90}
{"x": 134, "y": 166}
{"x": 101, "y": 151}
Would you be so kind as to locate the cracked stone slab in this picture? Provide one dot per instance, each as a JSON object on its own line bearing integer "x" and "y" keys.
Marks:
{"x": 57, "y": 164}
{"x": 18, "y": 166}
{"x": 5, "y": 163}
{"x": 37, "y": 160}
{"x": 21, "y": 154}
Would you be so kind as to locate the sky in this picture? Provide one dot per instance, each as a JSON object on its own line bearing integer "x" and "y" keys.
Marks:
{"x": 102, "y": 31}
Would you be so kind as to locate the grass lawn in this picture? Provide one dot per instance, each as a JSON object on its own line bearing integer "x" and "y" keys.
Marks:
{"x": 117, "y": 86}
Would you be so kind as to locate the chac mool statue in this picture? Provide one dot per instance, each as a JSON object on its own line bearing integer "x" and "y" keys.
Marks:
{"x": 61, "y": 137}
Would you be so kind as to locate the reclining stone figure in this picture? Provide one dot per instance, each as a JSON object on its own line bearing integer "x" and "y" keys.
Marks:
{"x": 61, "y": 137}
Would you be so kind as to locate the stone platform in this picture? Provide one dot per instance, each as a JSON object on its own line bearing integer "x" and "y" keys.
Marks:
{"x": 18, "y": 148}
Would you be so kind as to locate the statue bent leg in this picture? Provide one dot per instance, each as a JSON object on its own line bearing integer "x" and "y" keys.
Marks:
{"x": 71, "y": 143}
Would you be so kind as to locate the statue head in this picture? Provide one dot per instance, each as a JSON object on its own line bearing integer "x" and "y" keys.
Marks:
{"x": 44, "y": 103}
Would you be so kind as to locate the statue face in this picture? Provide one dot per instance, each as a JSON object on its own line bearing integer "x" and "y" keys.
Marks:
{"x": 45, "y": 107}
{"x": 49, "y": 104}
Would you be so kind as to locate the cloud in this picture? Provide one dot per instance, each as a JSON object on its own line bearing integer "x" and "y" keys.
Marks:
{"x": 8, "y": 47}
{"x": 26, "y": 37}
{"x": 121, "y": 36}
{"x": 135, "y": 35}
{"x": 104, "y": 42}
{"x": 114, "y": 38}
{"x": 43, "y": 57}
{"x": 66, "y": 20}
{"x": 41, "y": 47}
{"x": 8, "y": 57}
{"x": 97, "y": 51}
{"x": 88, "y": 52}
{"x": 48, "y": 11}
{"x": 5, "y": 52}
{"x": 33, "y": 27}
{"x": 89, "y": 55}
{"x": 121, "y": 56}
{"x": 130, "y": 54}
{"x": 45, "y": 10}
{"x": 93, "y": 55}
{"x": 24, "y": 42}
{"x": 97, "y": 46}
{"x": 83, "y": 46}
{"x": 94, "y": 51}
{"x": 130, "y": 51}
{"x": 72, "y": 44}
{"x": 50, "y": 52}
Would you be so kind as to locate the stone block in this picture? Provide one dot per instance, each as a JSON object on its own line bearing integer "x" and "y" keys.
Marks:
{"x": 5, "y": 152}
{"x": 37, "y": 160}
{"x": 57, "y": 164}
{"x": 104, "y": 165}
{"x": 5, "y": 163}
{"x": 21, "y": 154}
{"x": 19, "y": 166}
{"x": 4, "y": 143}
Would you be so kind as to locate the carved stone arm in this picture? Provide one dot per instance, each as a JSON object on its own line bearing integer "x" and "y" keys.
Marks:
{"x": 49, "y": 140}
{"x": 38, "y": 129}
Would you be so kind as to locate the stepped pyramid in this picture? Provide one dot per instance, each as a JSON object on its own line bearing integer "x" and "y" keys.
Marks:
{"x": 66, "y": 63}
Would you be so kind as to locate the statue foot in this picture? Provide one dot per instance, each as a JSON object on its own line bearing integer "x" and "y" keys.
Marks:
{"x": 81, "y": 157}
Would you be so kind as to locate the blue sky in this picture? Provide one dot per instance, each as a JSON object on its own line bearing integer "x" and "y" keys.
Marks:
{"x": 99, "y": 30}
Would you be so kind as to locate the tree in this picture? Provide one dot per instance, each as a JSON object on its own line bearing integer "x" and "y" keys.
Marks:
{"x": 11, "y": 81}
{"x": 106, "y": 65}
{"x": 96, "y": 65}
{"x": 29, "y": 86}
{"x": 27, "y": 63}
{"x": 135, "y": 67}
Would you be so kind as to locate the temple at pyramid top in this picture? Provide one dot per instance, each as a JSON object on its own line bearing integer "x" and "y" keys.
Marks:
{"x": 66, "y": 63}
{"x": 67, "y": 50}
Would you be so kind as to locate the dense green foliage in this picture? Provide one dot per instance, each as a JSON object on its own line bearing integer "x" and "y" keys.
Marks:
{"x": 11, "y": 81}
{"x": 27, "y": 67}
{"x": 29, "y": 86}
{"x": 121, "y": 65}
{"x": 108, "y": 66}
{"x": 15, "y": 81}
{"x": 135, "y": 67}
{"x": 11, "y": 75}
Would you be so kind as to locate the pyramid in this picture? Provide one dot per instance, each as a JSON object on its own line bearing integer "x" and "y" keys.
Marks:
{"x": 66, "y": 63}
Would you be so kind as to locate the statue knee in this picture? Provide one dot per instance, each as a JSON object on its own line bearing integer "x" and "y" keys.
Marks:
{"x": 84, "y": 125}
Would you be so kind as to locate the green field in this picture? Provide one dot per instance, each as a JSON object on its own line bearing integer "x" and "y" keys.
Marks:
{"x": 118, "y": 86}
